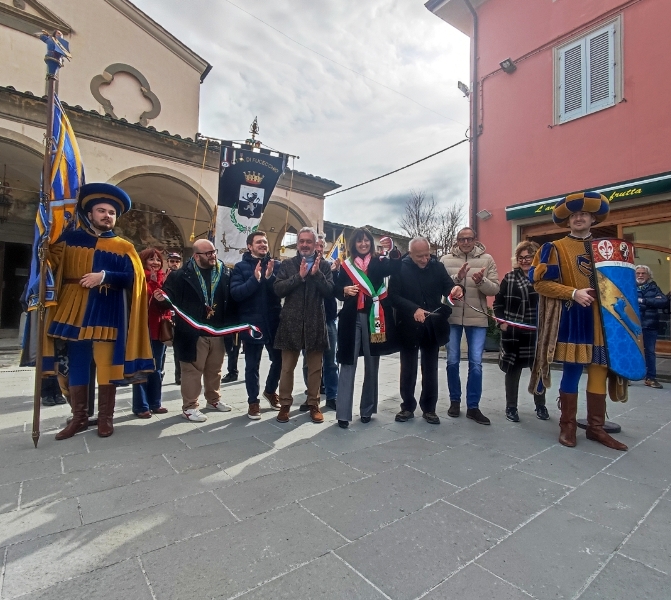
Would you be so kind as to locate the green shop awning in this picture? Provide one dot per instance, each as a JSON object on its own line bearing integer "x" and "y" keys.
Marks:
{"x": 625, "y": 190}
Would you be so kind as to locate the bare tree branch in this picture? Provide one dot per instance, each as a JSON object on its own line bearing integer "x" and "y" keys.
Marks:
{"x": 420, "y": 218}
{"x": 449, "y": 222}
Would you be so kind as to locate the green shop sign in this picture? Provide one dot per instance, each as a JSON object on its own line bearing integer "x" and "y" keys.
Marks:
{"x": 627, "y": 190}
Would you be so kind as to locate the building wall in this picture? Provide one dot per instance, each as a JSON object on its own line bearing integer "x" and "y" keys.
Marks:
{"x": 523, "y": 155}
{"x": 103, "y": 36}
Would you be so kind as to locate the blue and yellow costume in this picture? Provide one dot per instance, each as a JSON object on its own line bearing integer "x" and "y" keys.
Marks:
{"x": 568, "y": 332}
{"x": 107, "y": 323}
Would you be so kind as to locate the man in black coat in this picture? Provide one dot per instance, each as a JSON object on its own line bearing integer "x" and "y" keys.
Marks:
{"x": 421, "y": 324}
{"x": 201, "y": 290}
{"x": 303, "y": 281}
{"x": 252, "y": 288}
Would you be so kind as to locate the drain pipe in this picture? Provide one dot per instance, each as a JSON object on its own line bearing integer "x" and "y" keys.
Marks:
{"x": 475, "y": 96}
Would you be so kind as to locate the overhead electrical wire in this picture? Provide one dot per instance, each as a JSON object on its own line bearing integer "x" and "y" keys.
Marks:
{"x": 397, "y": 170}
{"x": 335, "y": 62}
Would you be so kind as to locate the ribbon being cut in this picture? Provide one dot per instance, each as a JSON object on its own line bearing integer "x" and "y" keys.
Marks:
{"x": 377, "y": 318}
{"x": 254, "y": 331}
{"x": 494, "y": 318}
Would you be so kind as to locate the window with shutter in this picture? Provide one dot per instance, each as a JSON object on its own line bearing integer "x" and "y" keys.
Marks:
{"x": 587, "y": 74}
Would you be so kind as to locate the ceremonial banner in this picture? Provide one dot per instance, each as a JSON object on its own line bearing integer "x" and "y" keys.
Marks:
{"x": 246, "y": 182}
{"x": 614, "y": 272}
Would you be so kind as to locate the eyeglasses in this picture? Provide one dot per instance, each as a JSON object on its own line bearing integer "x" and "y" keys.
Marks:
{"x": 466, "y": 239}
{"x": 209, "y": 253}
{"x": 527, "y": 258}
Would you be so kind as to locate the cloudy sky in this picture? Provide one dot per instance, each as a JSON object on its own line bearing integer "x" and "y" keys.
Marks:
{"x": 343, "y": 125}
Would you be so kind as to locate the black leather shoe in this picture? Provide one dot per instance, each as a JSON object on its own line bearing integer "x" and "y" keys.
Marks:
{"x": 454, "y": 410}
{"x": 431, "y": 417}
{"x": 477, "y": 416}
{"x": 365, "y": 419}
{"x": 343, "y": 424}
{"x": 48, "y": 401}
{"x": 304, "y": 407}
{"x": 404, "y": 415}
{"x": 229, "y": 378}
{"x": 60, "y": 399}
{"x": 331, "y": 404}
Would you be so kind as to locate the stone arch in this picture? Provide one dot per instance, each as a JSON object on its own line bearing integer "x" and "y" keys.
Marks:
{"x": 274, "y": 221}
{"x": 173, "y": 196}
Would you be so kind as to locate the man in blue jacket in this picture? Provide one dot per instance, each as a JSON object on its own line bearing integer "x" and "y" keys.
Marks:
{"x": 252, "y": 288}
{"x": 650, "y": 301}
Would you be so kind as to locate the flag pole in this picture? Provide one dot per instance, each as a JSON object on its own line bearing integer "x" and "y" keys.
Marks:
{"x": 54, "y": 60}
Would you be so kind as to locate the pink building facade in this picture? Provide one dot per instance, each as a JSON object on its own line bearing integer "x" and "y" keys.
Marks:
{"x": 581, "y": 101}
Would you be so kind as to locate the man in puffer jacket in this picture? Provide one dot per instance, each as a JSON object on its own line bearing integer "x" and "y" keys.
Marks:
{"x": 471, "y": 267}
{"x": 650, "y": 301}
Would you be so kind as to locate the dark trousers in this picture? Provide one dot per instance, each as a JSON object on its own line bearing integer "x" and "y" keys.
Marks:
{"x": 649, "y": 342}
{"x": 50, "y": 386}
{"x": 512, "y": 383}
{"x": 253, "y": 354}
{"x": 429, "y": 364}
{"x": 147, "y": 395}
{"x": 232, "y": 344}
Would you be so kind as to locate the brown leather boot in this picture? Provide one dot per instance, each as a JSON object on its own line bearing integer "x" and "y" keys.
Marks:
{"x": 106, "y": 398}
{"x": 283, "y": 415}
{"x": 79, "y": 401}
{"x": 568, "y": 404}
{"x": 596, "y": 417}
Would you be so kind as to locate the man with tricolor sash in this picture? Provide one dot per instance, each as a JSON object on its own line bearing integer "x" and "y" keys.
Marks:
{"x": 199, "y": 294}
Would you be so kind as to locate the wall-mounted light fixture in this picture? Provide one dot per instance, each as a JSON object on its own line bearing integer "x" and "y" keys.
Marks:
{"x": 483, "y": 215}
{"x": 463, "y": 88}
{"x": 508, "y": 66}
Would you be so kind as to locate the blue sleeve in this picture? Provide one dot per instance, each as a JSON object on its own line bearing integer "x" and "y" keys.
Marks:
{"x": 123, "y": 278}
{"x": 242, "y": 289}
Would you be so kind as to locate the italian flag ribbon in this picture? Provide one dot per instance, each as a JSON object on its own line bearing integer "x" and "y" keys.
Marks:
{"x": 378, "y": 330}
{"x": 254, "y": 331}
{"x": 494, "y": 318}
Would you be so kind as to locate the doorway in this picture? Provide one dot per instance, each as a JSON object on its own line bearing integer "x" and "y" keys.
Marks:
{"x": 14, "y": 270}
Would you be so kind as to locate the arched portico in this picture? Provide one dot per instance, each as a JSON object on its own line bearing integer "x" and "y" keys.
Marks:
{"x": 164, "y": 209}
{"x": 279, "y": 217}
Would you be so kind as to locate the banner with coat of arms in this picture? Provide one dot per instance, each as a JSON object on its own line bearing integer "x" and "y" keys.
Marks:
{"x": 247, "y": 178}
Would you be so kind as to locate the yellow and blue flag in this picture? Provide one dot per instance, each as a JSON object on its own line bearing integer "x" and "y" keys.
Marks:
{"x": 338, "y": 250}
{"x": 67, "y": 176}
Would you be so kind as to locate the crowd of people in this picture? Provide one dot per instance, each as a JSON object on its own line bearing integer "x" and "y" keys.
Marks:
{"x": 118, "y": 310}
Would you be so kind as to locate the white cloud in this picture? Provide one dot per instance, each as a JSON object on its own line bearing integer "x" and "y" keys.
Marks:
{"x": 343, "y": 126}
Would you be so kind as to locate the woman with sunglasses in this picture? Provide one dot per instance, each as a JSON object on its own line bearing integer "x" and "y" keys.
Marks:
{"x": 518, "y": 301}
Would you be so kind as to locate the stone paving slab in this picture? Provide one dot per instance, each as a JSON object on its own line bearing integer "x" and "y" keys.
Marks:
{"x": 233, "y": 508}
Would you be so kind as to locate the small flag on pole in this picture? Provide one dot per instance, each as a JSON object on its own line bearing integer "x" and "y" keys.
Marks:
{"x": 338, "y": 250}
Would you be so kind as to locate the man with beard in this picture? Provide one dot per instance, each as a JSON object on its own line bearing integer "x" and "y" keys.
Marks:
{"x": 303, "y": 281}
{"x": 99, "y": 277}
{"x": 201, "y": 290}
{"x": 252, "y": 288}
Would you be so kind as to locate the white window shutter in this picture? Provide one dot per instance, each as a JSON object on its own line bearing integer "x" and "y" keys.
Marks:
{"x": 572, "y": 81}
{"x": 600, "y": 53}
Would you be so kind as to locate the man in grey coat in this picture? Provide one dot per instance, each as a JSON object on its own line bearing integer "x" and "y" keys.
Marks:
{"x": 303, "y": 281}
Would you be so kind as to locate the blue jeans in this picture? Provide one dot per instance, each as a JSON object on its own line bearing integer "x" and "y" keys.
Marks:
{"x": 329, "y": 364}
{"x": 649, "y": 341}
{"x": 147, "y": 395}
{"x": 475, "y": 338}
{"x": 253, "y": 354}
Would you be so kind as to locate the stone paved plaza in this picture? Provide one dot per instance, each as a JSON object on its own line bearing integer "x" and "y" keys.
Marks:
{"x": 232, "y": 508}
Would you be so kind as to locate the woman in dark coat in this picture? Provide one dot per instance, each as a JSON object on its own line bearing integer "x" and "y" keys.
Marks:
{"x": 518, "y": 301}
{"x": 650, "y": 301}
{"x": 362, "y": 332}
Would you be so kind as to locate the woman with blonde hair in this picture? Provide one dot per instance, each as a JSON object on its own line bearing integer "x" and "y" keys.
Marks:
{"x": 517, "y": 301}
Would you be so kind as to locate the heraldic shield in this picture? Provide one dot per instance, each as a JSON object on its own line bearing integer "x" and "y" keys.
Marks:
{"x": 615, "y": 276}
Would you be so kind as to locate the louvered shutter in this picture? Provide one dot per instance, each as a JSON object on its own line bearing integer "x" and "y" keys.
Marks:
{"x": 572, "y": 81}
{"x": 600, "y": 54}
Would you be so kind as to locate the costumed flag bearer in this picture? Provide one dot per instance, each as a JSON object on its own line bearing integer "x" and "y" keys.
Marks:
{"x": 101, "y": 312}
{"x": 569, "y": 320}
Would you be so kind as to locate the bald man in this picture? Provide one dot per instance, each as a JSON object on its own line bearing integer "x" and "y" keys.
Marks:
{"x": 201, "y": 290}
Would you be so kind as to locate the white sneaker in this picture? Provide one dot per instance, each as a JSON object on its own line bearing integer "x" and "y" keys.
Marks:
{"x": 220, "y": 406}
{"x": 193, "y": 414}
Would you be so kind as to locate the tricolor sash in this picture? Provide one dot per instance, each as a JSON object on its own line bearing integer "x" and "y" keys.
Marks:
{"x": 215, "y": 330}
{"x": 378, "y": 330}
